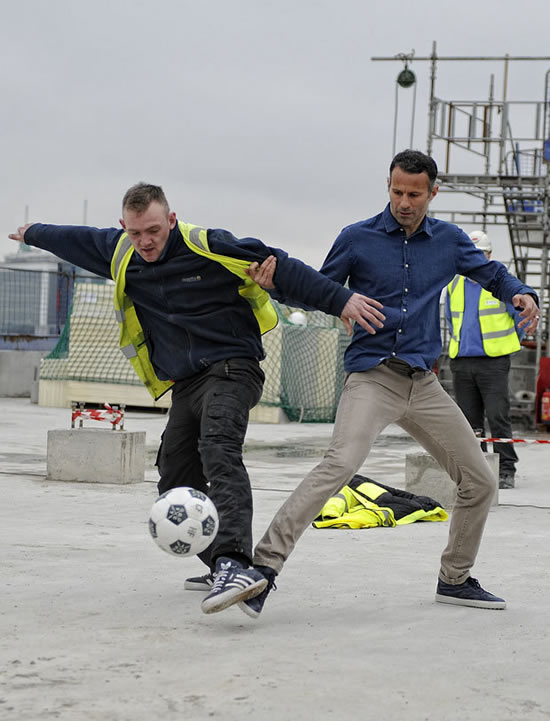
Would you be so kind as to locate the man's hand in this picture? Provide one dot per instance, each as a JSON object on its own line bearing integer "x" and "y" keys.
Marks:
{"x": 359, "y": 308}
{"x": 362, "y": 309}
{"x": 263, "y": 274}
{"x": 20, "y": 234}
{"x": 530, "y": 312}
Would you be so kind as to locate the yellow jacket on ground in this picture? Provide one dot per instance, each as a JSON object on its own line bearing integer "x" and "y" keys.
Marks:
{"x": 364, "y": 503}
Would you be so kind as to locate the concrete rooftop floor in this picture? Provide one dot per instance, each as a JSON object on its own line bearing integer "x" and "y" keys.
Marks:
{"x": 95, "y": 624}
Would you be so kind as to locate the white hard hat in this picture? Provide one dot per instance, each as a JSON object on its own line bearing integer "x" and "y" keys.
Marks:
{"x": 297, "y": 318}
{"x": 481, "y": 240}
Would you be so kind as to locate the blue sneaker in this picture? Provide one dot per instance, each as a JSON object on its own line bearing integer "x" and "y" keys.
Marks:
{"x": 253, "y": 607}
{"x": 232, "y": 583}
{"x": 468, "y": 593}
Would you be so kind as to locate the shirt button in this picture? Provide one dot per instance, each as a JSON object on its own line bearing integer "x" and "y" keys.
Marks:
{"x": 400, "y": 330}
{"x": 406, "y": 290}
{"x": 406, "y": 242}
{"x": 406, "y": 265}
{"x": 393, "y": 353}
{"x": 404, "y": 310}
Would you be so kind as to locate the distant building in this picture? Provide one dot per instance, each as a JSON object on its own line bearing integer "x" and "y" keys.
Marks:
{"x": 35, "y": 293}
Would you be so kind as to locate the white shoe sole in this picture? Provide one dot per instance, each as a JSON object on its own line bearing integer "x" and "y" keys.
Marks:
{"x": 495, "y": 605}
{"x": 192, "y": 586}
{"x": 232, "y": 596}
{"x": 246, "y": 609}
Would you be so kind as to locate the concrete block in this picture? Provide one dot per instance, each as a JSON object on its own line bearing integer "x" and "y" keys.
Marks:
{"x": 425, "y": 477}
{"x": 96, "y": 456}
{"x": 18, "y": 372}
{"x": 267, "y": 414}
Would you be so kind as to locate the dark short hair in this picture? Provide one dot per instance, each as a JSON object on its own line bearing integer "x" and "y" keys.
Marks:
{"x": 413, "y": 161}
{"x": 140, "y": 196}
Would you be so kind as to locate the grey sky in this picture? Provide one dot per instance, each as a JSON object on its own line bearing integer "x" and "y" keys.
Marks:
{"x": 266, "y": 118}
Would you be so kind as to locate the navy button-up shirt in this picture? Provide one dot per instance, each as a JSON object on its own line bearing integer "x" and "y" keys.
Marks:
{"x": 407, "y": 275}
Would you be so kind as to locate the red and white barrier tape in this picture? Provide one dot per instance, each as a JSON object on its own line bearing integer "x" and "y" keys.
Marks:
{"x": 511, "y": 440}
{"x": 113, "y": 415}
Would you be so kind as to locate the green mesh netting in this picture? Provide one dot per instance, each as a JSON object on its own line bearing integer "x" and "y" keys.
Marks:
{"x": 303, "y": 365}
{"x": 312, "y": 367}
{"x": 88, "y": 348}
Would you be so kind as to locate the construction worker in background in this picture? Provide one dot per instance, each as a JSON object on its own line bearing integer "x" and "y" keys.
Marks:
{"x": 484, "y": 334}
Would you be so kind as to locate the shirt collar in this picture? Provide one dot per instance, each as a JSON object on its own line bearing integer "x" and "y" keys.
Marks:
{"x": 392, "y": 225}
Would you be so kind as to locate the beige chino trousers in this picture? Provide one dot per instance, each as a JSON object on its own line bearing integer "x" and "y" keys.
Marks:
{"x": 370, "y": 401}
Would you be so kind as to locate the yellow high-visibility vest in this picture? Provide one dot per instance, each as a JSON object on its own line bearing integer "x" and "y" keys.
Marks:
{"x": 362, "y": 503}
{"x": 132, "y": 338}
{"x": 498, "y": 331}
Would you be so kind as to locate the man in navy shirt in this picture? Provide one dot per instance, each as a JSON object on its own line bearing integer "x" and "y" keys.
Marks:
{"x": 192, "y": 326}
{"x": 404, "y": 259}
{"x": 484, "y": 333}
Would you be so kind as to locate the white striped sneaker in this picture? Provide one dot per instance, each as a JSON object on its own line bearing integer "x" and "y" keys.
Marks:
{"x": 232, "y": 584}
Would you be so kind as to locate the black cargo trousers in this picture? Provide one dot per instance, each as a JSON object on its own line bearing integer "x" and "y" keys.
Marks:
{"x": 202, "y": 447}
{"x": 481, "y": 389}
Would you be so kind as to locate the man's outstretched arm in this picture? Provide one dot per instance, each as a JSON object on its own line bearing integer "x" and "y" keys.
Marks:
{"x": 360, "y": 308}
{"x": 85, "y": 247}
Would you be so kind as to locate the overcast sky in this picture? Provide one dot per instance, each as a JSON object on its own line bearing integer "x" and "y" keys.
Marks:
{"x": 267, "y": 118}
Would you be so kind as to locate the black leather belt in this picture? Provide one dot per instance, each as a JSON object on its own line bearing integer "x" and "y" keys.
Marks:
{"x": 399, "y": 366}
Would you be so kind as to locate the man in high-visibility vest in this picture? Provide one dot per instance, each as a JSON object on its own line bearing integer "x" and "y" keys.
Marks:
{"x": 191, "y": 320}
{"x": 484, "y": 333}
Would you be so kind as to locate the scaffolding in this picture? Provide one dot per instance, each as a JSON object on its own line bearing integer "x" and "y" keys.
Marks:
{"x": 511, "y": 184}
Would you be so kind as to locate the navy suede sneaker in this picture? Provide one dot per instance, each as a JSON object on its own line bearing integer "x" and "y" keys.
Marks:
{"x": 468, "y": 593}
{"x": 253, "y": 607}
{"x": 232, "y": 583}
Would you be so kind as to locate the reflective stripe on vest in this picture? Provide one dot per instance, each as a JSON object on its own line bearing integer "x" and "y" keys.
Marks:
{"x": 258, "y": 298}
{"x": 498, "y": 332}
{"x": 131, "y": 336}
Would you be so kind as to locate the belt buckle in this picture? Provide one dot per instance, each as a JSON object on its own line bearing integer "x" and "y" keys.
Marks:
{"x": 402, "y": 368}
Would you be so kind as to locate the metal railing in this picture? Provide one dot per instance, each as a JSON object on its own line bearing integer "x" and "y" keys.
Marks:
{"x": 34, "y": 305}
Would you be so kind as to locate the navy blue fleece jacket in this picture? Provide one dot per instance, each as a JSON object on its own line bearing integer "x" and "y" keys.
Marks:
{"x": 189, "y": 307}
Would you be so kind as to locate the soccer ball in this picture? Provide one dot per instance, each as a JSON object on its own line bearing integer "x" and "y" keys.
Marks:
{"x": 183, "y": 522}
